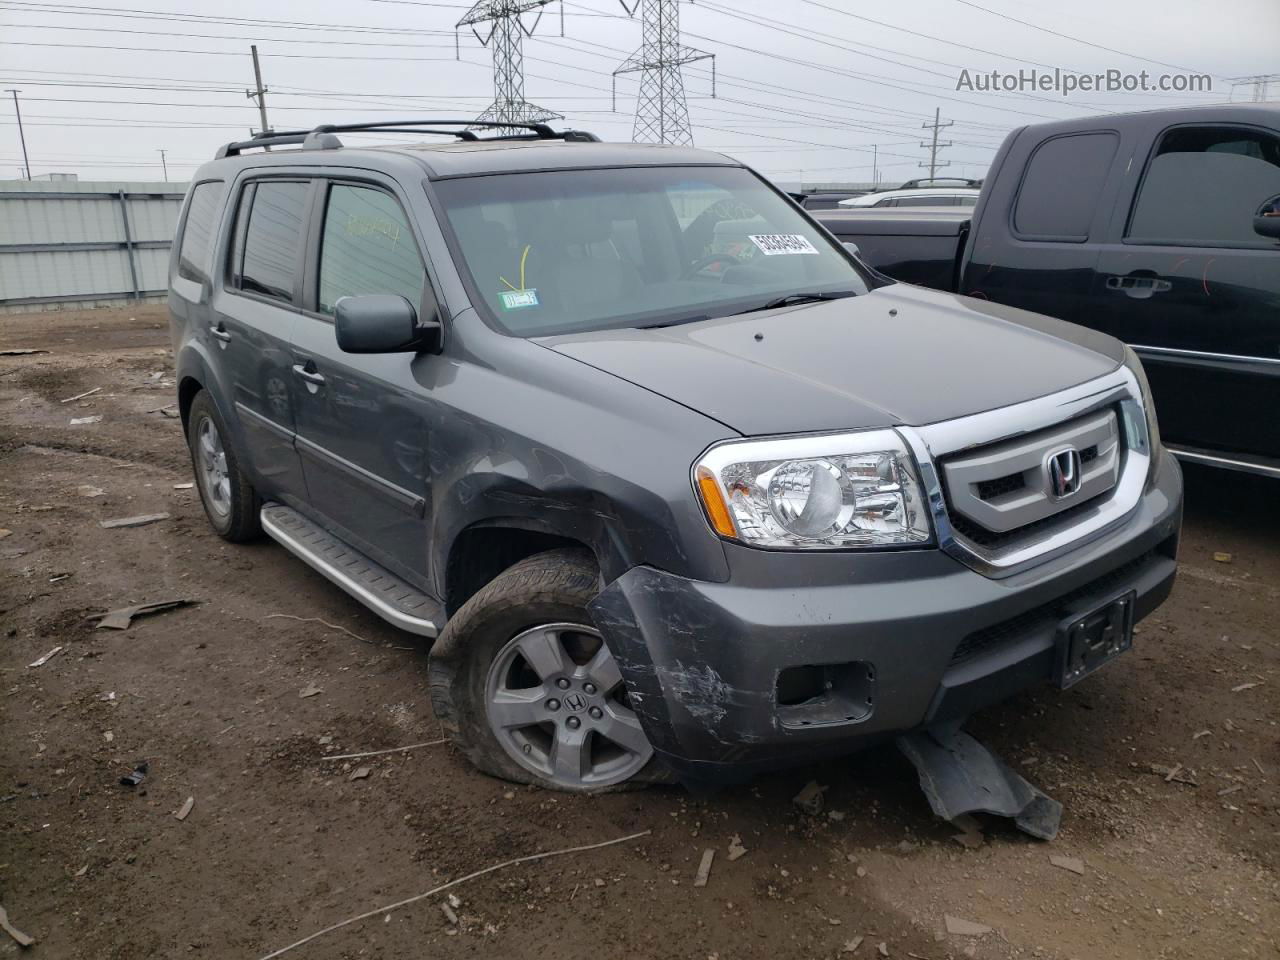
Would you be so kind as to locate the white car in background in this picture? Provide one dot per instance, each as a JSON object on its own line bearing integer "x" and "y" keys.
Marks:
{"x": 936, "y": 197}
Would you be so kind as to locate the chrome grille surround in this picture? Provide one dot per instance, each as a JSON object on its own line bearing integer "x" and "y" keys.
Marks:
{"x": 937, "y": 444}
{"x": 1027, "y": 457}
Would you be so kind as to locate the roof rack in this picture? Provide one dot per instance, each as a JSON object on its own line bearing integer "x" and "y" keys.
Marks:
{"x": 925, "y": 182}
{"x": 322, "y": 137}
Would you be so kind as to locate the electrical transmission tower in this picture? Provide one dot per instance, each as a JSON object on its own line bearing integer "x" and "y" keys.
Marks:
{"x": 933, "y": 164}
{"x": 506, "y": 35}
{"x": 1261, "y": 85}
{"x": 662, "y": 116}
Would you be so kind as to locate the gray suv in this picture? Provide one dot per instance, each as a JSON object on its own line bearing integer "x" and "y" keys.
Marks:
{"x": 677, "y": 486}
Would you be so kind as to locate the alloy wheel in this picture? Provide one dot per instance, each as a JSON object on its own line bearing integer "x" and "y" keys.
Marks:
{"x": 555, "y": 700}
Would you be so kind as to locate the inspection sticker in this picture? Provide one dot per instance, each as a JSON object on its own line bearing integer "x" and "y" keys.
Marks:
{"x": 515, "y": 299}
{"x": 772, "y": 244}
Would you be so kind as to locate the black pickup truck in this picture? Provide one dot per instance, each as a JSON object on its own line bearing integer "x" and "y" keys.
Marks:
{"x": 1160, "y": 228}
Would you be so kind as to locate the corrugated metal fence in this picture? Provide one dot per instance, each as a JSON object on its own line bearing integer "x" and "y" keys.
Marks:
{"x": 84, "y": 243}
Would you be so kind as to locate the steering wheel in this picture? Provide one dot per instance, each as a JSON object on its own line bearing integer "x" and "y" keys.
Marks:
{"x": 702, "y": 263}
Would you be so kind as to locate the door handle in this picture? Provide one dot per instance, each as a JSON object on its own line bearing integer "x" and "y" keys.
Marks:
{"x": 308, "y": 372}
{"x": 1138, "y": 286}
{"x": 220, "y": 332}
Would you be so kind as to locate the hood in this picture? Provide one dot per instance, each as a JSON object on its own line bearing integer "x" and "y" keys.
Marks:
{"x": 848, "y": 364}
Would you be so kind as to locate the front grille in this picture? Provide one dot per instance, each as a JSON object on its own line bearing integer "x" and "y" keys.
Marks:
{"x": 996, "y": 541}
{"x": 1011, "y": 483}
{"x": 1047, "y": 614}
{"x": 1001, "y": 493}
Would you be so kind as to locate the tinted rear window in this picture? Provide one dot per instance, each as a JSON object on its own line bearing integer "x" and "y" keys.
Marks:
{"x": 197, "y": 231}
{"x": 272, "y": 239}
{"x": 1060, "y": 188}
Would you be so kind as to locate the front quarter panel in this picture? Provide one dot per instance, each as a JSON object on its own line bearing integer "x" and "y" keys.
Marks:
{"x": 528, "y": 438}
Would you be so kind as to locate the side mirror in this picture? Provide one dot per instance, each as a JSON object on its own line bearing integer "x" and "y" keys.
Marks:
{"x": 1267, "y": 226}
{"x": 851, "y": 247}
{"x": 382, "y": 323}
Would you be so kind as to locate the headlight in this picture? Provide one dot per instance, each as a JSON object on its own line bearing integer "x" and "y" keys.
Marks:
{"x": 1153, "y": 428}
{"x": 827, "y": 492}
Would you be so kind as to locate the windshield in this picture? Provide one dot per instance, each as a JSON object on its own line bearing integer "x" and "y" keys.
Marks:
{"x": 570, "y": 251}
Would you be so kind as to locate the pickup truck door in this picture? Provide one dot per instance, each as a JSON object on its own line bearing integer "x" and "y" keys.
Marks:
{"x": 1035, "y": 237}
{"x": 1190, "y": 285}
{"x": 362, "y": 419}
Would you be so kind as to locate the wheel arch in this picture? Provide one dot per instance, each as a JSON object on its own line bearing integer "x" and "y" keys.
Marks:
{"x": 486, "y": 548}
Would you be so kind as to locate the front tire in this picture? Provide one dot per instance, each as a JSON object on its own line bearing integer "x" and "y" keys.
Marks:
{"x": 525, "y": 686}
{"x": 230, "y": 502}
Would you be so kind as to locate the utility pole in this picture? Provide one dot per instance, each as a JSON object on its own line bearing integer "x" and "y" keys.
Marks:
{"x": 260, "y": 94}
{"x": 506, "y": 34}
{"x": 22, "y": 137}
{"x": 164, "y": 166}
{"x": 662, "y": 115}
{"x": 875, "y": 158}
{"x": 935, "y": 146}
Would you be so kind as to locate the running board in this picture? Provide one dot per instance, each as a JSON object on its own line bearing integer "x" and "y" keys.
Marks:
{"x": 377, "y": 588}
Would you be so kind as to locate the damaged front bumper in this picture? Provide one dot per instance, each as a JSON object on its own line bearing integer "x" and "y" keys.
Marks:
{"x": 805, "y": 655}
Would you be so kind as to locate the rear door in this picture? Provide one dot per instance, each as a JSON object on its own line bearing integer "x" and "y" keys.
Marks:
{"x": 362, "y": 419}
{"x": 1196, "y": 291}
{"x": 254, "y": 313}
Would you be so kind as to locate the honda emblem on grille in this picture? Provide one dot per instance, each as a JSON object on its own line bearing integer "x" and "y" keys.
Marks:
{"x": 1063, "y": 469}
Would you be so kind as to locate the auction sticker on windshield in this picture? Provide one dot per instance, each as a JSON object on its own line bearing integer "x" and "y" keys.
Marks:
{"x": 773, "y": 244}
{"x": 515, "y": 299}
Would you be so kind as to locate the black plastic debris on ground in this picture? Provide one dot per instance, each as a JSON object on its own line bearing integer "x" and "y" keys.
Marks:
{"x": 139, "y": 774}
{"x": 959, "y": 775}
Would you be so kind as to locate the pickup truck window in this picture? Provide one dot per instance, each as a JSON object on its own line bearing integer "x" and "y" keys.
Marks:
{"x": 1059, "y": 190}
{"x": 367, "y": 247}
{"x": 1204, "y": 185}
{"x": 561, "y": 252}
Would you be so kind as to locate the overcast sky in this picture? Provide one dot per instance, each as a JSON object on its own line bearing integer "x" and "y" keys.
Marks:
{"x": 805, "y": 87}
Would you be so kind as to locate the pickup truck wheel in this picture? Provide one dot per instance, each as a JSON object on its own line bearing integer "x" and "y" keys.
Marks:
{"x": 527, "y": 689}
{"x": 230, "y": 502}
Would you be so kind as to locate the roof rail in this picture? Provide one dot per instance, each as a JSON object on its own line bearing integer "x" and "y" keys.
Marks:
{"x": 322, "y": 137}
{"x": 926, "y": 182}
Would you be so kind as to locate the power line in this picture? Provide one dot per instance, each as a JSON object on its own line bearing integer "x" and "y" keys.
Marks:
{"x": 223, "y": 36}
{"x": 1087, "y": 43}
{"x": 216, "y": 53}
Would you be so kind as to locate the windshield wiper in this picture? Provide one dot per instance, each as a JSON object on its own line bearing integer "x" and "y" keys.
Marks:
{"x": 673, "y": 323}
{"x": 794, "y": 298}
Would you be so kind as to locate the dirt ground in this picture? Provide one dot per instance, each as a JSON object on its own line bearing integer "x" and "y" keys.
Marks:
{"x": 282, "y": 842}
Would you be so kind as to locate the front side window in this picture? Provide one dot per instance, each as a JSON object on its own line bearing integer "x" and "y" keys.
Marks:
{"x": 367, "y": 247}
{"x": 568, "y": 251}
{"x": 1204, "y": 185}
{"x": 197, "y": 231}
{"x": 272, "y": 238}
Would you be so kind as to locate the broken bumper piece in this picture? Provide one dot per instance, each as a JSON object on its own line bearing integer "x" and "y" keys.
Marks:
{"x": 959, "y": 775}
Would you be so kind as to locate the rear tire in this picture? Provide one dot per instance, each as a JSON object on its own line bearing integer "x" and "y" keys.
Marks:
{"x": 230, "y": 502}
{"x": 524, "y": 685}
